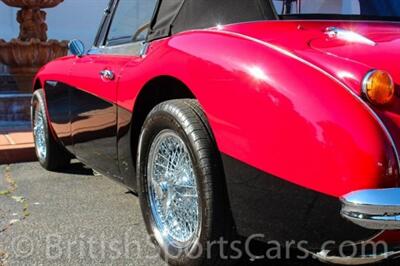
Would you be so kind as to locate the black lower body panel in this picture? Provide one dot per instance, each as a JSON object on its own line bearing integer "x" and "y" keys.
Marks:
{"x": 126, "y": 150}
{"x": 282, "y": 211}
{"x": 58, "y": 99}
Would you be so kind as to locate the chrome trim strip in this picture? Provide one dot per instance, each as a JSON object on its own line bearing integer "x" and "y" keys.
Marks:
{"x": 332, "y": 257}
{"x": 144, "y": 49}
{"x": 369, "y": 259}
{"x": 364, "y": 83}
{"x": 376, "y": 209}
{"x": 130, "y": 49}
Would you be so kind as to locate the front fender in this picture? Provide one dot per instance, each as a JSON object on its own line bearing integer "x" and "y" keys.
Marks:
{"x": 56, "y": 70}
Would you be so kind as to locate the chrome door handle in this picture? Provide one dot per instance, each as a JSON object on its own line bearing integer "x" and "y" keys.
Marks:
{"x": 107, "y": 74}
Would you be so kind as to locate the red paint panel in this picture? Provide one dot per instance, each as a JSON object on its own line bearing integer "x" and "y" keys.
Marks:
{"x": 276, "y": 103}
{"x": 85, "y": 75}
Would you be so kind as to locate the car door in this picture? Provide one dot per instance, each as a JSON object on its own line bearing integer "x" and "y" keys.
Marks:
{"x": 93, "y": 110}
{"x": 95, "y": 75}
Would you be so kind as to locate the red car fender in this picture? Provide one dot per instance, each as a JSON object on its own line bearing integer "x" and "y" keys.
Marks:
{"x": 57, "y": 70}
{"x": 305, "y": 128}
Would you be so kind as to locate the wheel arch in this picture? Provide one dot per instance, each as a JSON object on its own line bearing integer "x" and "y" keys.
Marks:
{"x": 154, "y": 92}
{"x": 37, "y": 84}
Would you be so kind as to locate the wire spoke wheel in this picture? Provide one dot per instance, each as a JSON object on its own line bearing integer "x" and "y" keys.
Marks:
{"x": 181, "y": 185}
{"x": 172, "y": 187}
{"x": 40, "y": 134}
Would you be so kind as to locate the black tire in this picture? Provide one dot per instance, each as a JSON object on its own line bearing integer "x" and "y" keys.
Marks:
{"x": 56, "y": 157}
{"x": 186, "y": 118}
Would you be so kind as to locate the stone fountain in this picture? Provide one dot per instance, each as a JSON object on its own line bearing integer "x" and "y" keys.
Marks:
{"x": 31, "y": 50}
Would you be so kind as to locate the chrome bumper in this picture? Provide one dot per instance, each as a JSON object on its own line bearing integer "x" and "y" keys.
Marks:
{"x": 377, "y": 209}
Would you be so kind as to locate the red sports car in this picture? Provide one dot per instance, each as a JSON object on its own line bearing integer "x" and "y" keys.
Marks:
{"x": 277, "y": 120}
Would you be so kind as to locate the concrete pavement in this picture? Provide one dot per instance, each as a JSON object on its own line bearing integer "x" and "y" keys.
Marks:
{"x": 75, "y": 218}
{"x": 69, "y": 219}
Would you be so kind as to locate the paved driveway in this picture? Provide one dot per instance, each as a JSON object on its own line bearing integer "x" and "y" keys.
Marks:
{"x": 74, "y": 218}
{"x": 69, "y": 219}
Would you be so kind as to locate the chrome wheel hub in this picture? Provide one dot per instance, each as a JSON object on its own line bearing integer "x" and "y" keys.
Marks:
{"x": 173, "y": 193}
{"x": 40, "y": 134}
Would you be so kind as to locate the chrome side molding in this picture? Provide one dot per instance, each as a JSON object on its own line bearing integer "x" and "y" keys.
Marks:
{"x": 324, "y": 257}
{"x": 377, "y": 209}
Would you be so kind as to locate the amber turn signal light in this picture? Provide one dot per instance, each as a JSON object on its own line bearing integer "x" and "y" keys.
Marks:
{"x": 378, "y": 87}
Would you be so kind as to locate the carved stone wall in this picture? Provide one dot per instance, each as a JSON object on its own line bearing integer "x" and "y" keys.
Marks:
{"x": 32, "y": 24}
{"x": 72, "y": 19}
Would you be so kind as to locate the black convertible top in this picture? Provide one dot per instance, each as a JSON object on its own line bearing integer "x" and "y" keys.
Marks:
{"x": 173, "y": 16}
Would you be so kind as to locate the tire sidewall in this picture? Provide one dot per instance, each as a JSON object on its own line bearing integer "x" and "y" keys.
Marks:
{"x": 38, "y": 104}
{"x": 160, "y": 121}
